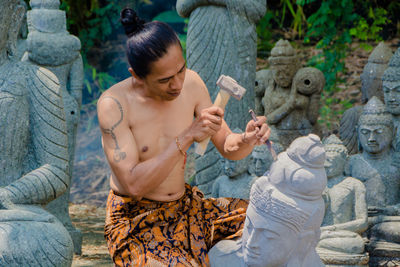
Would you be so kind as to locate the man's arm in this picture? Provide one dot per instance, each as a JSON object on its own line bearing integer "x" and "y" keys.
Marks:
{"x": 138, "y": 178}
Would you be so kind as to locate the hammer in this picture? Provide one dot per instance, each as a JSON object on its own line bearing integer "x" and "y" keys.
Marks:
{"x": 228, "y": 87}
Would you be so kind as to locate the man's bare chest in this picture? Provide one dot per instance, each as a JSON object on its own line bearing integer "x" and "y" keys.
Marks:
{"x": 155, "y": 129}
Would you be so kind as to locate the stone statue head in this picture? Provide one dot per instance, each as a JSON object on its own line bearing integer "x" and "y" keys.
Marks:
{"x": 11, "y": 15}
{"x": 283, "y": 217}
{"x": 233, "y": 168}
{"x": 336, "y": 156}
{"x": 375, "y": 127}
{"x": 391, "y": 84}
{"x": 261, "y": 160}
{"x": 284, "y": 63}
{"x": 371, "y": 77}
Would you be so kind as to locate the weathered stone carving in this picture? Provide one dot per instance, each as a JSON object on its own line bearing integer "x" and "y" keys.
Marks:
{"x": 221, "y": 39}
{"x": 375, "y": 168}
{"x": 292, "y": 96}
{"x": 391, "y": 91}
{"x": 236, "y": 180}
{"x": 262, "y": 159}
{"x": 346, "y": 214}
{"x": 286, "y": 209}
{"x": 51, "y": 46}
{"x": 34, "y": 156}
{"x": 371, "y": 85}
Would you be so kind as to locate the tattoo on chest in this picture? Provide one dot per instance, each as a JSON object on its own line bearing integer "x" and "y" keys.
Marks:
{"x": 118, "y": 154}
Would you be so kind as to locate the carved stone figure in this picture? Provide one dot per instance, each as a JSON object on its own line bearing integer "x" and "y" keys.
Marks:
{"x": 391, "y": 91}
{"x": 374, "y": 167}
{"x": 291, "y": 99}
{"x": 236, "y": 180}
{"x": 262, "y": 159}
{"x": 221, "y": 39}
{"x": 371, "y": 85}
{"x": 346, "y": 214}
{"x": 33, "y": 155}
{"x": 286, "y": 209}
{"x": 51, "y": 46}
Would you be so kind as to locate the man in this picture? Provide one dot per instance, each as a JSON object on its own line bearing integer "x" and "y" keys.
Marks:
{"x": 147, "y": 124}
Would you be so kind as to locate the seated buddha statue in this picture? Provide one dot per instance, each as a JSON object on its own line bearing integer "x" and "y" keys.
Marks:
{"x": 33, "y": 155}
{"x": 346, "y": 215}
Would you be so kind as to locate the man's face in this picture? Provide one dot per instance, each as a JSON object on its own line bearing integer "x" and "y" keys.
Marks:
{"x": 266, "y": 243}
{"x": 375, "y": 139}
{"x": 334, "y": 164}
{"x": 167, "y": 74}
{"x": 391, "y": 93}
{"x": 283, "y": 74}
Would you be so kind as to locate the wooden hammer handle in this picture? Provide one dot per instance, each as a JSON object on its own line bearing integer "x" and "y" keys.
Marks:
{"x": 220, "y": 101}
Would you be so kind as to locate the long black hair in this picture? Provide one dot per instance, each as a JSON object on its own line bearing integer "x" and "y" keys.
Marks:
{"x": 147, "y": 42}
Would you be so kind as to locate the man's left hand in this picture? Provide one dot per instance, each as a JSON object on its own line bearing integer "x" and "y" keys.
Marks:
{"x": 257, "y": 132}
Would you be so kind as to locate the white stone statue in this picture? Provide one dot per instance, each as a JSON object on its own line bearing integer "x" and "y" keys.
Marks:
{"x": 346, "y": 214}
{"x": 286, "y": 209}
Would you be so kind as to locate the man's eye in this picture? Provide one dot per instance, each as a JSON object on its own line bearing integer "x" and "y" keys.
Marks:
{"x": 164, "y": 81}
{"x": 379, "y": 131}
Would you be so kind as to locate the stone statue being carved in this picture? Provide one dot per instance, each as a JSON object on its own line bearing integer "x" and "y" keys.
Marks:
{"x": 33, "y": 156}
{"x": 346, "y": 214}
{"x": 292, "y": 96}
{"x": 371, "y": 85}
{"x": 286, "y": 209}
{"x": 221, "y": 39}
{"x": 375, "y": 168}
{"x": 51, "y": 46}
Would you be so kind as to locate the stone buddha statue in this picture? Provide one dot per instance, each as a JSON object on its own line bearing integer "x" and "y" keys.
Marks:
{"x": 236, "y": 180}
{"x": 391, "y": 92}
{"x": 262, "y": 159}
{"x": 51, "y": 46}
{"x": 346, "y": 215}
{"x": 292, "y": 95}
{"x": 286, "y": 209}
{"x": 33, "y": 155}
{"x": 374, "y": 167}
{"x": 222, "y": 39}
{"x": 371, "y": 85}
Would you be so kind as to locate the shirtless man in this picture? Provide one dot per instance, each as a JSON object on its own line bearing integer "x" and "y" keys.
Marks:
{"x": 147, "y": 125}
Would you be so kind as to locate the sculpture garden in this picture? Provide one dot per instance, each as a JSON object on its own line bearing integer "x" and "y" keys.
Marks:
{"x": 335, "y": 130}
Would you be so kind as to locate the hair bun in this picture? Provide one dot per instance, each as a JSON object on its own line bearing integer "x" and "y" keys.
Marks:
{"x": 131, "y": 22}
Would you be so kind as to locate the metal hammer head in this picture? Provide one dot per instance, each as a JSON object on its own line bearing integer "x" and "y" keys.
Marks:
{"x": 231, "y": 86}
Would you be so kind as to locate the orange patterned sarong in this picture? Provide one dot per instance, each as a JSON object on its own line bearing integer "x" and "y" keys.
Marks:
{"x": 176, "y": 233}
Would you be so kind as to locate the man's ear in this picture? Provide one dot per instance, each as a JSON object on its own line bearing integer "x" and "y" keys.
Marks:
{"x": 133, "y": 73}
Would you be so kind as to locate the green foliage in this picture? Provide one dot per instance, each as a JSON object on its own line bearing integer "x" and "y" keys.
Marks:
{"x": 370, "y": 31}
{"x": 330, "y": 26}
{"x": 264, "y": 34}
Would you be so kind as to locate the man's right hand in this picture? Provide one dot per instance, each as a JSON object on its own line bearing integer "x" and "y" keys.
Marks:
{"x": 207, "y": 123}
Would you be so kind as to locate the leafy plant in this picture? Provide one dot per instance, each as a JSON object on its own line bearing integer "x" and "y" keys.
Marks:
{"x": 330, "y": 26}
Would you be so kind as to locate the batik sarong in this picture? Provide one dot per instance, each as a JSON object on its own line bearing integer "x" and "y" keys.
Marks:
{"x": 175, "y": 233}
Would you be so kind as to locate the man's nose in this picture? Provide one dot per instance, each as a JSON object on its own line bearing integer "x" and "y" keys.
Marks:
{"x": 176, "y": 83}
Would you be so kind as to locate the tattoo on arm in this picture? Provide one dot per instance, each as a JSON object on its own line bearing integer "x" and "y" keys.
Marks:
{"x": 118, "y": 154}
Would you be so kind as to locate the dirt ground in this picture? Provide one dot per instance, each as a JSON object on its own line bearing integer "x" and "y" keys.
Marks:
{"x": 90, "y": 220}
